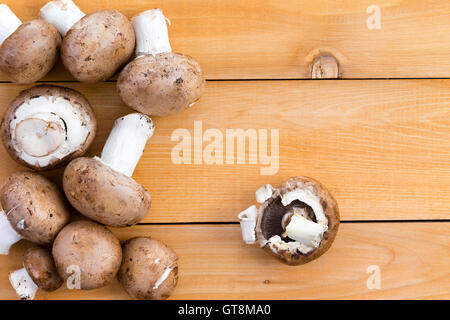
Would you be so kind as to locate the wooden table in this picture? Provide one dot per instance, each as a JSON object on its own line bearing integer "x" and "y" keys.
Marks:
{"x": 378, "y": 138}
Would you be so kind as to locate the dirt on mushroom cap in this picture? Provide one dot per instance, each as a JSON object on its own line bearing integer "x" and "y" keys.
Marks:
{"x": 105, "y": 195}
{"x": 91, "y": 248}
{"x": 161, "y": 85}
{"x": 143, "y": 273}
{"x": 35, "y": 207}
{"x": 41, "y": 267}
{"x": 98, "y": 45}
{"x": 30, "y": 52}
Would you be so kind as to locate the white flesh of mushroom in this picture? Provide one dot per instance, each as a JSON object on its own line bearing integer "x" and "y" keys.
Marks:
{"x": 152, "y": 36}
{"x": 48, "y": 128}
{"x": 163, "y": 277}
{"x": 23, "y": 284}
{"x": 263, "y": 193}
{"x": 126, "y": 142}
{"x": 8, "y": 236}
{"x": 247, "y": 219}
{"x": 8, "y": 22}
{"x": 62, "y": 14}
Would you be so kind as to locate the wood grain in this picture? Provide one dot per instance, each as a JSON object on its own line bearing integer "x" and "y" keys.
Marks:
{"x": 214, "y": 264}
{"x": 236, "y": 39}
{"x": 381, "y": 147}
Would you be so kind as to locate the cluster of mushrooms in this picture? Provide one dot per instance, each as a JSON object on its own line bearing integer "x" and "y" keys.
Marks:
{"x": 48, "y": 127}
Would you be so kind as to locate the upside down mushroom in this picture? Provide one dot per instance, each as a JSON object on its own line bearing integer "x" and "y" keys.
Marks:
{"x": 28, "y": 51}
{"x": 296, "y": 223}
{"x": 96, "y": 45}
{"x": 38, "y": 272}
{"x": 159, "y": 82}
{"x": 102, "y": 188}
{"x": 33, "y": 209}
{"x": 149, "y": 269}
{"x": 47, "y": 126}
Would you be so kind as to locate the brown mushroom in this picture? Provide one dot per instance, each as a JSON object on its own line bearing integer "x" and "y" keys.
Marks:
{"x": 102, "y": 188}
{"x": 296, "y": 223}
{"x": 87, "y": 253}
{"x": 159, "y": 82}
{"x": 149, "y": 269}
{"x": 95, "y": 46}
{"x": 47, "y": 126}
{"x": 33, "y": 209}
{"x": 27, "y": 51}
{"x": 39, "y": 272}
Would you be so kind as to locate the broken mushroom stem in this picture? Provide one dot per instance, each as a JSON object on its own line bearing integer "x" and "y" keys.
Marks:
{"x": 62, "y": 14}
{"x": 24, "y": 285}
{"x": 126, "y": 142}
{"x": 8, "y": 235}
{"x": 297, "y": 227}
{"x": 9, "y": 22}
{"x": 152, "y": 36}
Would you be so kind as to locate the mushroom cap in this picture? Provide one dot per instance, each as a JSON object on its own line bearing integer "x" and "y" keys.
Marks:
{"x": 41, "y": 267}
{"x": 98, "y": 45}
{"x": 35, "y": 207}
{"x": 90, "y": 247}
{"x": 48, "y": 103}
{"x": 149, "y": 269}
{"x": 30, "y": 52}
{"x": 103, "y": 194}
{"x": 161, "y": 85}
{"x": 272, "y": 212}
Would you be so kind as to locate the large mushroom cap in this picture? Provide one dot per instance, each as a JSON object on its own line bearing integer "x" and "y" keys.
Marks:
{"x": 313, "y": 207}
{"x": 41, "y": 268}
{"x": 35, "y": 207}
{"x": 103, "y": 194}
{"x": 30, "y": 52}
{"x": 47, "y": 126}
{"x": 149, "y": 269}
{"x": 88, "y": 250}
{"x": 98, "y": 45}
{"x": 161, "y": 85}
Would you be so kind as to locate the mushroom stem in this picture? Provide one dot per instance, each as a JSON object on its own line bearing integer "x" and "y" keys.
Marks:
{"x": 8, "y": 22}
{"x": 305, "y": 231}
{"x": 62, "y": 14}
{"x": 126, "y": 142}
{"x": 23, "y": 284}
{"x": 248, "y": 224}
{"x": 152, "y": 36}
{"x": 8, "y": 236}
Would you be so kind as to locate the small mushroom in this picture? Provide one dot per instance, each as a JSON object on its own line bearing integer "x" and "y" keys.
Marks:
{"x": 47, "y": 126}
{"x": 159, "y": 82}
{"x": 33, "y": 209}
{"x": 87, "y": 253}
{"x": 296, "y": 223}
{"x": 27, "y": 51}
{"x": 149, "y": 269}
{"x": 38, "y": 272}
{"x": 95, "y": 46}
{"x": 102, "y": 188}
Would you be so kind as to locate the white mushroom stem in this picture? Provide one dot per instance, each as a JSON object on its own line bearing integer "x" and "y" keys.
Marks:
{"x": 23, "y": 284}
{"x": 62, "y": 14}
{"x": 8, "y": 236}
{"x": 8, "y": 22}
{"x": 263, "y": 193}
{"x": 152, "y": 36}
{"x": 247, "y": 219}
{"x": 163, "y": 277}
{"x": 126, "y": 142}
{"x": 305, "y": 231}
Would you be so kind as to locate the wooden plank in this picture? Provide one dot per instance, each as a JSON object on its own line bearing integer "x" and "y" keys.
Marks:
{"x": 214, "y": 264}
{"x": 236, "y": 39}
{"x": 381, "y": 147}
